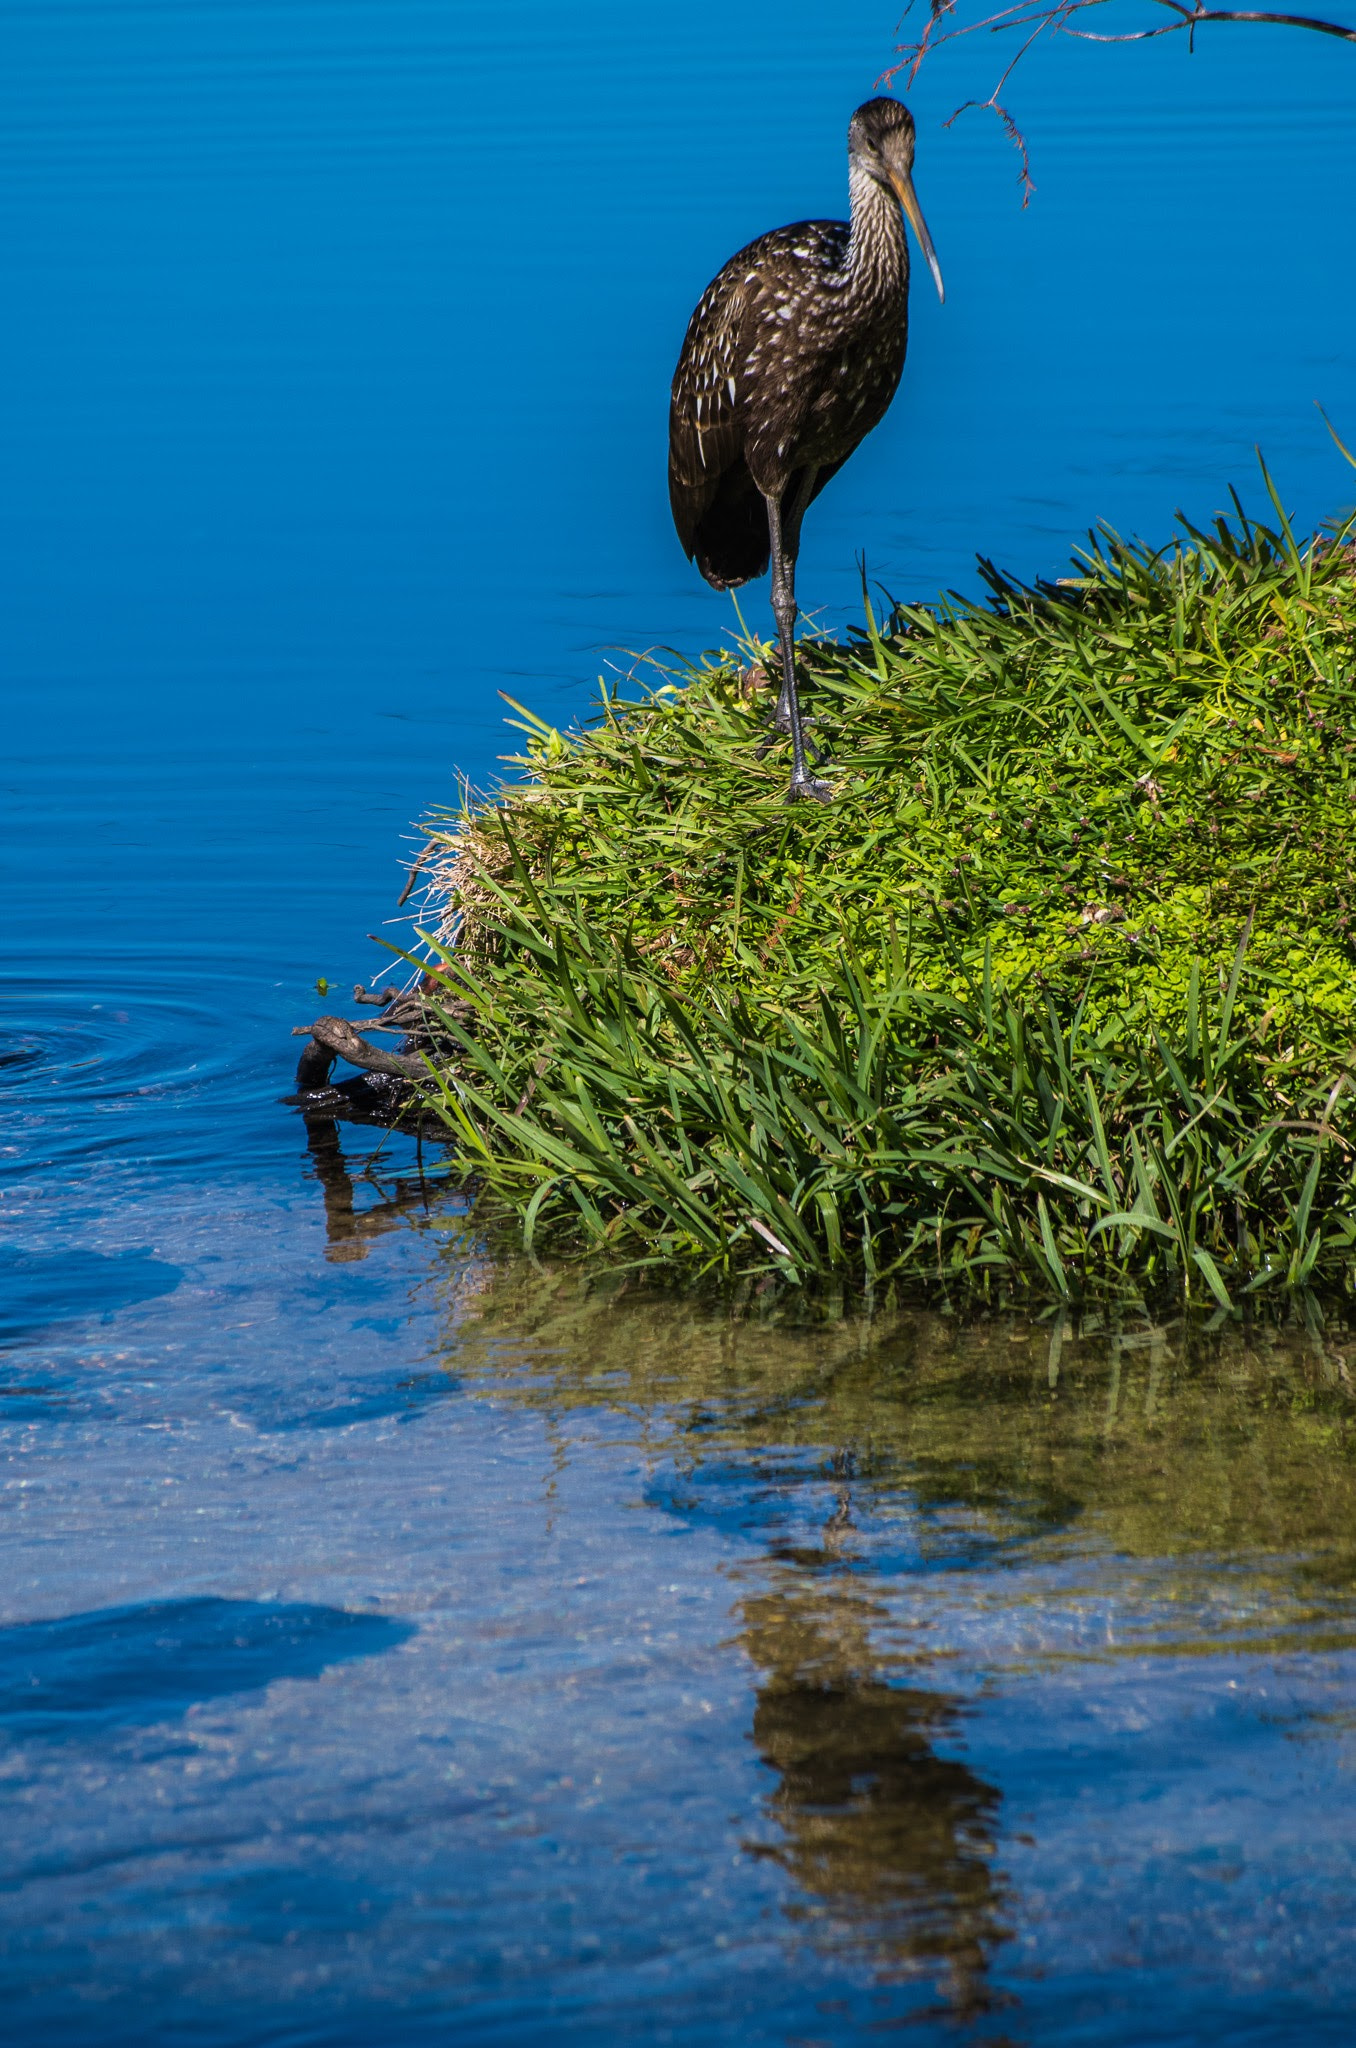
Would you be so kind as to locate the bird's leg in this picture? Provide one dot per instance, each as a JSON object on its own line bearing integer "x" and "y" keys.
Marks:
{"x": 784, "y": 608}
{"x": 791, "y": 516}
{"x": 791, "y": 521}
{"x": 784, "y": 598}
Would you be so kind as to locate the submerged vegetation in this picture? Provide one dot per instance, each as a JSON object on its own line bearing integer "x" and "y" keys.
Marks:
{"x": 1056, "y": 998}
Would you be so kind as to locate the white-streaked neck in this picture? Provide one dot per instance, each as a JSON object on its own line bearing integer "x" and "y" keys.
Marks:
{"x": 878, "y": 251}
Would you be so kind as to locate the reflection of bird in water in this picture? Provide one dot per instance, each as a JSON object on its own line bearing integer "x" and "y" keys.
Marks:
{"x": 893, "y": 1841}
{"x": 792, "y": 356}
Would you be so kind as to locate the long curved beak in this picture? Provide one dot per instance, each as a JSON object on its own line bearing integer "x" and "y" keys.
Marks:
{"x": 913, "y": 213}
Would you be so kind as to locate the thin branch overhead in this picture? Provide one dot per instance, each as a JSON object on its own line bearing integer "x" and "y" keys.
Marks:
{"x": 946, "y": 23}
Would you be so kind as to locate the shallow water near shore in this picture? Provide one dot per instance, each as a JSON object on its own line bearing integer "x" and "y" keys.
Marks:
{"x": 636, "y": 1670}
{"x": 397, "y": 1641}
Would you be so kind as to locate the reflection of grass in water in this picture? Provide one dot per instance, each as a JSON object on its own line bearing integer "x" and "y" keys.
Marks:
{"x": 1057, "y": 996}
{"x": 1200, "y": 1484}
{"x": 1152, "y": 1441}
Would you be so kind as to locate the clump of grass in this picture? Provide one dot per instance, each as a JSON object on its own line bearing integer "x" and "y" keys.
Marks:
{"x": 1057, "y": 996}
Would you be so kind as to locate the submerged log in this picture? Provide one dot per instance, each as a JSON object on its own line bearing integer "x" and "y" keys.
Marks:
{"x": 335, "y": 1037}
{"x": 406, "y": 1012}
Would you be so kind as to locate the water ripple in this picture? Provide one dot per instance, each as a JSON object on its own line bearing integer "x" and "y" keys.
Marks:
{"x": 142, "y": 1071}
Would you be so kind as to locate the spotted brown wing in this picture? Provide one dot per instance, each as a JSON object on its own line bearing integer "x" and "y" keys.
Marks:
{"x": 748, "y": 372}
{"x": 705, "y": 432}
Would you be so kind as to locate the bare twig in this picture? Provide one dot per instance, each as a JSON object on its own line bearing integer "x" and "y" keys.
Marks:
{"x": 416, "y": 867}
{"x": 945, "y": 25}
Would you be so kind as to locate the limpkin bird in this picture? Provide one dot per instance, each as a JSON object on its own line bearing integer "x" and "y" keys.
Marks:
{"x": 791, "y": 358}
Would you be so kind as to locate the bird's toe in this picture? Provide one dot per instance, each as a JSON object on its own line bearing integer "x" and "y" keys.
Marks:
{"x": 808, "y": 789}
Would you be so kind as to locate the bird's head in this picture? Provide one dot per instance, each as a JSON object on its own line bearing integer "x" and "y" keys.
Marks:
{"x": 880, "y": 140}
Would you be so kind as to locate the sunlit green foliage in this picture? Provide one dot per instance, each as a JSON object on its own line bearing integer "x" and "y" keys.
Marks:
{"x": 1056, "y": 995}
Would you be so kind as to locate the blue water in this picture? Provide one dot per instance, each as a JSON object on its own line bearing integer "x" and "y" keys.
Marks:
{"x": 344, "y": 1698}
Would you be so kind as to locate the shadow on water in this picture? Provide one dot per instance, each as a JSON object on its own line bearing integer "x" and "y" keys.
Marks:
{"x": 42, "y": 1291}
{"x": 88, "y": 1674}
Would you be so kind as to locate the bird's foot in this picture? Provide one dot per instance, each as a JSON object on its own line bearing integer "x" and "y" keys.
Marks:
{"x": 806, "y": 788}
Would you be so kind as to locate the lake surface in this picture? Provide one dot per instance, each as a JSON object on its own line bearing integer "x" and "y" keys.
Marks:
{"x": 395, "y": 1645}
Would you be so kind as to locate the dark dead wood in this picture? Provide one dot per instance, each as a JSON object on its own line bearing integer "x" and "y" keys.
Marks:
{"x": 415, "y": 868}
{"x": 406, "y": 1013}
{"x": 315, "y": 1065}
{"x": 412, "y": 1013}
{"x": 337, "y": 1037}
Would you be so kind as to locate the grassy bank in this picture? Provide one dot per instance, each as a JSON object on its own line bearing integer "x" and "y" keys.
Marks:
{"x": 1056, "y": 998}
